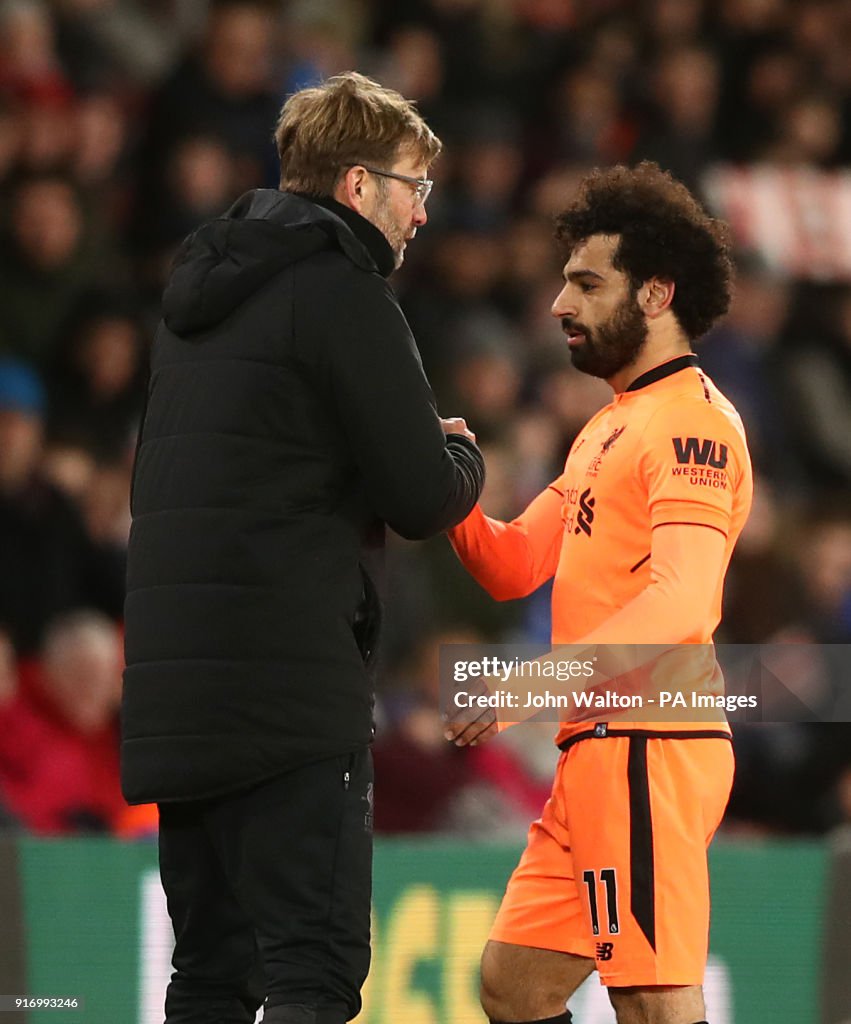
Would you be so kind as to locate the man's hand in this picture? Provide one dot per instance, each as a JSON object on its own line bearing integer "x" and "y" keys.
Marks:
{"x": 465, "y": 733}
{"x": 456, "y": 425}
{"x": 470, "y": 726}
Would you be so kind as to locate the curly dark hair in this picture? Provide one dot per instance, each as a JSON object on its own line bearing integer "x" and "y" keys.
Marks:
{"x": 664, "y": 232}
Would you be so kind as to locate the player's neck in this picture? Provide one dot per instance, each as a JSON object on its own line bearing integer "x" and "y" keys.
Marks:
{"x": 662, "y": 346}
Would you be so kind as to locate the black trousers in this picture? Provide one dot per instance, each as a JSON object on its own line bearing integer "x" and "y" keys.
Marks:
{"x": 269, "y": 893}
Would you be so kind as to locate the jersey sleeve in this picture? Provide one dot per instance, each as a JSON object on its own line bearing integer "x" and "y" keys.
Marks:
{"x": 510, "y": 560}
{"x": 692, "y": 460}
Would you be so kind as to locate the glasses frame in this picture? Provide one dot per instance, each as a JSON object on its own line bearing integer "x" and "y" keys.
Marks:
{"x": 422, "y": 186}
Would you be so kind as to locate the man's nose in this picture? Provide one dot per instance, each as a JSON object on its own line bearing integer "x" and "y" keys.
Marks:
{"x": 563, "y": 304}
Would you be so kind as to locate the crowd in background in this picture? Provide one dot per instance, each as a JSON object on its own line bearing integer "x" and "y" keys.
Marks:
{"x": 124, "y": 124}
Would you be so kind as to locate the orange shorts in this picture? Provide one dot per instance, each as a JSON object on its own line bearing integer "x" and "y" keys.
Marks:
{"x": 615, "y": 869}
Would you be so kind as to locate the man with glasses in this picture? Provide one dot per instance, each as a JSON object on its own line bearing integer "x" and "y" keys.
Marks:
{"x": 396, "y": 216}
{"x": 422, "y": 186}
{"x": 288, "y": 421}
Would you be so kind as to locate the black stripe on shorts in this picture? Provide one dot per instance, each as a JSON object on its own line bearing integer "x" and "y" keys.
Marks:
{"x": 642, "y": 876}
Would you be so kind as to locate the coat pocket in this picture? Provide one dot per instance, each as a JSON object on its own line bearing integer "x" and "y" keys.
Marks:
{"x": 366, "y": 624}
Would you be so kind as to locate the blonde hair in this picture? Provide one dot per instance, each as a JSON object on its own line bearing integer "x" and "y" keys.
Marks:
{"x": 349, "y": 119}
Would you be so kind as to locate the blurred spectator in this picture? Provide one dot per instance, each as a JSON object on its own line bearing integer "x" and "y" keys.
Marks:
{"x": 430, "y": 591}
{"x": 588, "y": 122}
{"x": 69, "y": 465}
{"x": 808, "y": 133}
{"x": 485, "y": 375}
{"x": 59, "y": 732}
{"x": 824, "y": 555}
{"x": 97, "y": 386}
{"x": 762, "y": 594}
{"x": 46, "y": 131}
{"x": 776, "y": 77}
{"x": 571, "y": 398}
{"x": 50, "y": 562}
{"x": 223, "y": 92}
{"x": 680, "y": 130}
{"x": 787, "y": 778}
{"x": 200, "y": 183}
{"x": 760, "y": 71}
{"x": 49, "y": 263}
{"x": 105, "y": 505}
{"x": 531, "y": 267}
{"x": 457, "y": 290}
{"x": 29, "y": 64}
{"x": 818, "y": 381}
{"x": 99, "y": 163}
{"x": 104, "y": 42}
{"x": 671, "y": 24}
{"x": 319, "y": 40}
{"x": 418, "y": 774}
{"x": 535, "y": 442}
{"x": 411, "y": 63}
{"x": 102, "y": 134}
{"x": 741, "y": 357}
{"x": 489, "y": 168}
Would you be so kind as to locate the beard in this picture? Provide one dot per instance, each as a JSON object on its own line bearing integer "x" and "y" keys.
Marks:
{"x": 396, "y": 236}
{"x": 613, "y": 345}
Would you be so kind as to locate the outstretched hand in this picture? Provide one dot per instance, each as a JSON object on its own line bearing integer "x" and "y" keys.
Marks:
{"x": 469, "y": 726}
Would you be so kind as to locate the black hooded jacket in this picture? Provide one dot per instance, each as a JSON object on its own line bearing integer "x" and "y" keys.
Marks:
{"x": 288, "y": 420}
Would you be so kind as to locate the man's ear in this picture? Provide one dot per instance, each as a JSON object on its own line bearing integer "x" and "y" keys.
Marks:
{"x": 351, "y": 188}
{"x": 658, "y": 296}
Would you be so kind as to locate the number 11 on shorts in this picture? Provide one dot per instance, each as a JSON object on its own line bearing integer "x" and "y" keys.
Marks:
{"x": 608, "y": 877}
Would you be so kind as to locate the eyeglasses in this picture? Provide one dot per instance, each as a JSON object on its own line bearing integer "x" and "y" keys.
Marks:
{"x": 422, "y": 186}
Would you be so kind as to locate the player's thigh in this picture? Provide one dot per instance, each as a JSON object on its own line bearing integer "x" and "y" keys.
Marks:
{"x": 681, "y": 1005}
{"x": 542, "y": 907}
{"x": 539, "y": 950}
{"x": 641, "y": 811}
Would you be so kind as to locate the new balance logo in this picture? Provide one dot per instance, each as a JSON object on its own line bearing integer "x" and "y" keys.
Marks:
{"x": 586, "y": 512}
{"x": 700, "y": 452}
{"x": 604, "y": 950}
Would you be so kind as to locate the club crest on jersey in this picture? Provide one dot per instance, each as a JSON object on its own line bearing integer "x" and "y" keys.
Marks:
{"x": 610, "y": 440}
{"x": 597, "y": 461}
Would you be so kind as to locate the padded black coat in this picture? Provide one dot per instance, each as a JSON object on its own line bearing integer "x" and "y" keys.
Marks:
{"x": 288, "y": 420}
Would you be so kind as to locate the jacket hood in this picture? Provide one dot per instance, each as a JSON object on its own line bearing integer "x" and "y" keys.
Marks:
{"x": 226, "y": 260}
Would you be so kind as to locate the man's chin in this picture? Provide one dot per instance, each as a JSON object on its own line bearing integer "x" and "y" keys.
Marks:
{"x": 587, "y": 360}
{"x": 583, "y": 360}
